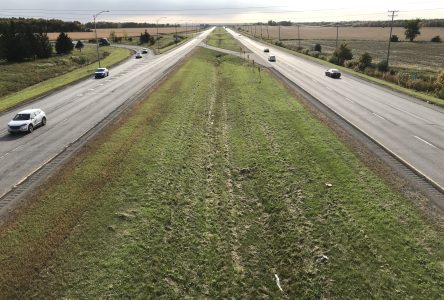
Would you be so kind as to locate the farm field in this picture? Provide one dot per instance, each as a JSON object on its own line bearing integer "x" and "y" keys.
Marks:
{"x": 216, "y": 185}
{"x": 21, "y": 81}
{"x": 345, "y": 33}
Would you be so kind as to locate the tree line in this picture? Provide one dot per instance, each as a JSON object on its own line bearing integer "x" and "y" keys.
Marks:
{"x": 21, "y": 43}
{"x": 106, "y": 25}
{"x": 396, "y": 23}
{"x": 40, "y": 25}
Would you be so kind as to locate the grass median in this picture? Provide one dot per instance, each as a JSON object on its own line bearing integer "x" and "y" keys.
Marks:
{"x": 32, "y": 79}
{"x": 220, "y": 38}
{"x": 215, "y": 186}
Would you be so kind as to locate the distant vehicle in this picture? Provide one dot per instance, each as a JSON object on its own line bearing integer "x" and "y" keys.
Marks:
{"x": 144, "y": 51}
{"x": 101, "y": 72}
{"x": 138, "y": 55}
{"x": 27, "y": 120}
{"x": 104, "y": 42}
{"x": 333, "y": 73}
{"x": 266, "y": 50}
{"x": 272, "y": 58}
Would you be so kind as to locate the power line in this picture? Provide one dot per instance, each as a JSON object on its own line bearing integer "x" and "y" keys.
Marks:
{"x": 391, "y": 29}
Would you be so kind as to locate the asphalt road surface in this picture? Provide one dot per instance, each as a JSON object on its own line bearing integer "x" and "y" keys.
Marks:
{"x": 75, "y": 110}
{"x": 409, "y": 128}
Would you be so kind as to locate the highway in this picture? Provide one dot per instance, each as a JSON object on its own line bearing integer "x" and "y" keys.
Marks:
{"x": 410, "y": 129}
{"x": 76, "y": 109}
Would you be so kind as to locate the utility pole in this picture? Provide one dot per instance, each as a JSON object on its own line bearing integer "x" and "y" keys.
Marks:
{"x": 299, "y": 36}
{"x": 95, "y": 30}
{"x": 157, "y": 27}
{"x": 337, "y": 35}
{"x": 268, "y": 33}
{"x": 390, "y": 37}
{"x": 261, "y": 31}
{"x": 279, "y": 33}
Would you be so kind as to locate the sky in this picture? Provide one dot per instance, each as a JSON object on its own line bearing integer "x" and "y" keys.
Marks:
{"x": 220, "y": 11}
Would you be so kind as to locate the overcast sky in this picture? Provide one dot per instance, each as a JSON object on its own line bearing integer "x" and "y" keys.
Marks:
{"x": 219, "y": 11}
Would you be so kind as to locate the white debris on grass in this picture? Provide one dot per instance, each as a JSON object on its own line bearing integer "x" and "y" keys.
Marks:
{"x": 278, "y": 282}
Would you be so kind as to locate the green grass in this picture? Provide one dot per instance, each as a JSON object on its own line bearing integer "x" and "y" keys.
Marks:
{"x": 21, "y": 82}
{"x": 211, "y": 186}
{"x": 167, "y": 42}
{"x": 222, "y": 39}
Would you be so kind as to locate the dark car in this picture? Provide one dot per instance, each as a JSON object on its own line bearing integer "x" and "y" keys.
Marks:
{"x": 272, "y": 58}
{"x": 101, "y": 72}
{"x": 333, "y": 73}
{"x": 266, "y": 50}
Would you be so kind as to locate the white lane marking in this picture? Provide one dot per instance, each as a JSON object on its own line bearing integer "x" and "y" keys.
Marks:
{"x": 90, "y": 89}
{"x": 314, "y": 80}
{"x": 17, "y": 148}
{"x": 4, "y": 155}
{"x": 424, "y": 141}
{"x": 349, "y": 100}
{"x": 328, "y": 88}
{"x": 381, "y": 117}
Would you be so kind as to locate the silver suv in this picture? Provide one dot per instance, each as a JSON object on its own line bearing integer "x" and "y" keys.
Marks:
{"x": 27, "y": 120}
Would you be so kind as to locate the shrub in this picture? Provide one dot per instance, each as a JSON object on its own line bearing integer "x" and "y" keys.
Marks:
{"x": 420, "y": 85}
{"x": 436, "y": 39}
{"x": 440, "y": 79}
{"x": 364, "y": 61}
{"x": 81, "y": 60}
{"x": 341, "y": 54}
{"x": 317, "y": 47}
{"x": 382, "y": 66}
{"x": 441, "y": 93}
{"x": 394, "y": 38}
{"x": 279, "y": 43}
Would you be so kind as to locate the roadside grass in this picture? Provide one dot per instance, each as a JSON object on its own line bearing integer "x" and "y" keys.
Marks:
{"x": 222, "y": 39}
{"x": 211, "y": 187}
{"x": 21, "y": 82}
{"x": 395, "y": 87}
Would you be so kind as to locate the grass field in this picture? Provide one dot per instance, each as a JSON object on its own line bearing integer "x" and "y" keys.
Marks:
{"x": 20, "y": 82}
{"x": 222, "y": 39}
{"x": 213, "y": 186}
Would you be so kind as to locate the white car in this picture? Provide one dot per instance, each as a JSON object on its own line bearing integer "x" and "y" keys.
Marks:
{"x": 144, "y": 50}
{"x": 101, "y": 72}
{"x": 272, "y": 58}
{"x": 138, "y": 55}
{"x": 27, "y": 120}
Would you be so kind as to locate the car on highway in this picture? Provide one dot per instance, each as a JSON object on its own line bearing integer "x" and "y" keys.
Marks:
{"x": 27, "y": 120}
{"x": 101, "y": 72}
{"x": 272, "y": 58}
{"x": 138, "y": 55}
{"x": 333, "y": 73}
{"x": 144, "y": 50}
{"x": 266, "y": 50}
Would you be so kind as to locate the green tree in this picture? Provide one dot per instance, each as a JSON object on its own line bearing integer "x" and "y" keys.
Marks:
{"x": 63, "y": 44}
{"x": 145, "y": 37}
{"x": 317, "y": 47}
{"x": 79, "y": 45}
{"x": 43, "y": 46}
{"x": 341, "y": 54}
{"x": 412, "y": 29}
